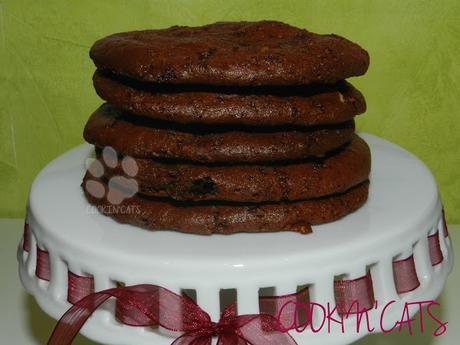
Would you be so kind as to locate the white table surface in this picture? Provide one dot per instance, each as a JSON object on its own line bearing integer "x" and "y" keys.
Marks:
{"x": 23, "y": 323}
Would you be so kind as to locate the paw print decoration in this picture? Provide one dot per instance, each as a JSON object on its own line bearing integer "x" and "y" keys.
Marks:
{"x": 119, "y": 187}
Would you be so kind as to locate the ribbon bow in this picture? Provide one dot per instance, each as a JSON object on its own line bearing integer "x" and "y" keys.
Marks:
{"x": 150, "y": 305}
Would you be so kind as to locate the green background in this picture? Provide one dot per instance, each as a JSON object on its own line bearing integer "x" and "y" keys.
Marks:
{"x": 46, "y": 95}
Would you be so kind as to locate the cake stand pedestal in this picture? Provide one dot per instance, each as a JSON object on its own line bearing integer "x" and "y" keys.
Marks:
{"x": 401, "y": 220}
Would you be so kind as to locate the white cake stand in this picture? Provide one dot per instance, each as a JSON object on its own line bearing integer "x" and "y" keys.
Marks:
{"x": 401, "y": 216}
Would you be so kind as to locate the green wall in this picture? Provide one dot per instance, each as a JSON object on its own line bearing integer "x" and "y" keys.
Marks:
{"x": 412, "y": 87}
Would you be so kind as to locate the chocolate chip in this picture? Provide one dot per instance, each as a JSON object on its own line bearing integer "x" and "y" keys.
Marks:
{"x": 169, "y": 75}
{"x": 203, "y": 186}
{"x": 207, "y": 54}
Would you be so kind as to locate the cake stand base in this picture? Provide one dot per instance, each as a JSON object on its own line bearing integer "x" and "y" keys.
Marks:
{"x": 400, "y": 227}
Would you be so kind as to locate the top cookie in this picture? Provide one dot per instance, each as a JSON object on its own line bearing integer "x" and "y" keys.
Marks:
{"x": 231, "y": 53}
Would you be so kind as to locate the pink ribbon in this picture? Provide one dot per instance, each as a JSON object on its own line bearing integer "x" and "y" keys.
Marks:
{"x": 78, "y": 287}
{"x": 290, "y": 310}
{"x": 43, "y": 269}
{"x": 153, "y": 305}
{"x": 435, "y": 249}
{"x": 405, "y": 275}
{"x": 355, "y": 295}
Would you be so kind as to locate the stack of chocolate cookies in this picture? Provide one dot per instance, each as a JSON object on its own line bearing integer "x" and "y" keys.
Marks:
{"x": 230, "y": 127}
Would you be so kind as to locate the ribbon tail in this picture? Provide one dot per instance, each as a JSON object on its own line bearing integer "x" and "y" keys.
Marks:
{"x": 147, "y": 305}
{"x": 187, "y": 339}
{"x": 230, "y": 339}
{"x": 262, "y": 329}
{"x": 73, "y": 320}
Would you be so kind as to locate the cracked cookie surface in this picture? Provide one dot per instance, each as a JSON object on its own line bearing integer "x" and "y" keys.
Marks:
{"x": 254, "y": 183}
{"x": 269, "y": 106}
{"x": 227, "y": 218}
{"x": 145, "y": 138}
{"x": 231, "y": 53}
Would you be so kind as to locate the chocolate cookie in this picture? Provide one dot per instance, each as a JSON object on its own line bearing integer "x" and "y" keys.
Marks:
{"x": 231, "y": 53}
{"x": 301, "y": 106}
{"x": 207, "y": 218}
{"x": 252, "y": 183}
{"x": 144, "y": 138}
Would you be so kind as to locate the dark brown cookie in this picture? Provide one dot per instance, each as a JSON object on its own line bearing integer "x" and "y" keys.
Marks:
{"x": 252, "y": 183}
{"x": 206, "y": 218}
{"x": 300, "y": 106}
{"x": 145, "y": 138}
{"x": 231, "y": 53}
